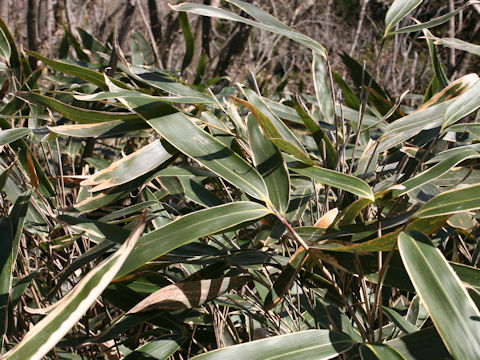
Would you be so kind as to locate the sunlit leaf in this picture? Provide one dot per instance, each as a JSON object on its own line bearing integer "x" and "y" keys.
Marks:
{"x": 452, "y": 310}
{"x": 309, "y": 344}
{"x": 130, "y": 167}
{"x": 397, "y": 11}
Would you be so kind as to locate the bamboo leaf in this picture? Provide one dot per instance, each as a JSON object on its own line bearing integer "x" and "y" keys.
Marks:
{"x": 423, "y": 344}
{"x": 379, "y": 351}
{"x": 337, "y": 180}
{"x": 160, "y": 349}
{"x": 11, "y": 228}
{"x": 130, "y": 167}
{"x": 321, "y": 138}
{"x": 451, "y": 202}
{"x": 397, "y": 11}
{"x": 189, "y": 40}
{"x": 435, "y": 171}
{"x": 189, "y": 294}
{"x": 464, "y": 105}
{"x": 322, "y": 88}
{"x": 432, "y": 23}
{"x": 103, "y": 129}
{"x": 399, "y": 321}
{"x": 453, "y": 312}
{"x": 387, "y": 241}
{"x": 188, "y": 228}
{"x": 269, "y": 162}
{"x": 10, "y": 135}
{"x": 458, "y": 44}
{"x": 80, "y": 115}
{"x": 83, "y": 73}
{"x": 265, "y": 21}
{"x": 187, "y": 137}
{"x": 273, "y": 127}
{"x": 309, "y": 344}
{"x": 51, "y": 329}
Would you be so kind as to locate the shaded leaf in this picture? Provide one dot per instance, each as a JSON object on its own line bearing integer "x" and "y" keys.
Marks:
{"x": 46, "y": 333}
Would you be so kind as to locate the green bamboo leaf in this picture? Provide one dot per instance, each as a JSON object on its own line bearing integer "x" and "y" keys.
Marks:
{"x": 432, "y": 23}
{"x": 11, "y": 48}
{"x": 379, "y": 351}
{"x": 323, "y": 91}
{"x": 387, "y": 241}
{"x": 51, "y": 329}
{"x": 10, "y": 135}
{"x": 187, "y": 137}
{"x": 11, "y": 228}
{"x": 91, "y": 43}
{"x": 161, "y": 348}
{"x": 130, "y": 167}
{"x": 303, "y": 345}
{"x": 464, "y": 105}
{"x": 463, "y": 127}
{"x": 451, "y": 202}
{"x": 468, "y": 274}
{"x": 179, "y": 93}
{"x": 360, "y": 76}
{"x": 452, "y": 310}
{"x": 285, "y": 280}
{"x": 430, "y": 115}
{"x": 198, "y": 193}
{"x": 423, "y": 344}
{"x": 266, "y": 22}
{"x": 104, "y": 198}
{"x": 188, "y": 228}
{"x": 439, "y": 73}
{"x": 283, "y": 111}
{"x": 397, "y": 11}
{"x": 80, "y": 115}
{"x": 458, "y": 44}
{"x": 142, "y": 53}
{"x": 410, "y": 125}
{"x": 276, "y": 128}
{"x": 349, "y": 214}
{"x": 337, "y": 180}
{"x": 189, "y": 40}
{"x": 4, "y": 176}
{"x": 273, "y": 128}
{"x": 5, "y": 50}
{"x": 321, "y": 138}
{"x": 435, "y": 171}
{"x": 188, "y": 294}
{"x": 269, "y": 162}
{"x": 104, "y": 129}
{"x": 399, "y": 321}
{"x": 453, "y": 90}
{"x": 83, "y": 73}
